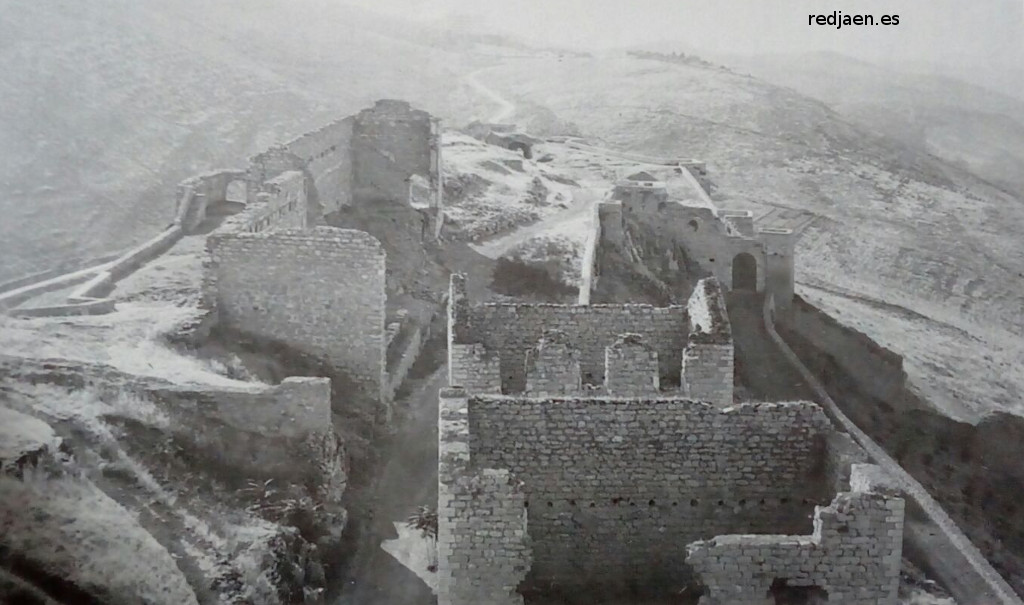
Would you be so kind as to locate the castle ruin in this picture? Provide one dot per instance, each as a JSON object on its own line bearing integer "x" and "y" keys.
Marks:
{"x": 597, "y": 448}
{"x": 275, "y": 273}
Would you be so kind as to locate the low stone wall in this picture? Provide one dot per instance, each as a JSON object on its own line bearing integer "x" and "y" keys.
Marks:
{"x": 293, "y": 409}
{"x": 89, "y": 298}
{"x": 943, "y": 549}
{"x": 411, "y": 349}
{"x": 43, "y": 276}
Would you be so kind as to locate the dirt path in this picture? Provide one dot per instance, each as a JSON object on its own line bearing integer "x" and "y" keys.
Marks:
{"x": 583, "y": 200}
{"x": 505, "y": 107}
{"x": 762, "y": 368}
{"x": 407, "y": 479}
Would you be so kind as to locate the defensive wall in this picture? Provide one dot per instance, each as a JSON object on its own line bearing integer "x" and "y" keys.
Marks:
{"x": 242, "y": 431}
{"x": 725, "y": 244}
{"x": 272, "y": 272}
{"x": 934, "y": 542}
{"x": 560, "y": 349}
{"x": 319, "y": 291}
{"x": 377, "y": 156}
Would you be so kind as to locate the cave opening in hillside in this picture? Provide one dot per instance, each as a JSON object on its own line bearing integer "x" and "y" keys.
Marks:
{"x": 744, "y": 272}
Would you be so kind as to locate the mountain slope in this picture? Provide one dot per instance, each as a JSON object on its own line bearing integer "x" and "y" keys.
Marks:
{"x": 962, "y": 123}
{"x": 106, "y": 105}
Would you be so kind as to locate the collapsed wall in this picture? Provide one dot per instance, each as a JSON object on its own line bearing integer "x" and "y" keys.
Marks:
{"x": 852, "y": 557}
{"x": 318, "y": 291}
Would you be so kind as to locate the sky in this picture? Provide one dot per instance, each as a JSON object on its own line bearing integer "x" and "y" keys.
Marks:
{"x": 963, "y": 36}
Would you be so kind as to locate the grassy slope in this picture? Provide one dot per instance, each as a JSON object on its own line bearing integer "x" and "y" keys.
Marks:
{"x": 896, "y": 224}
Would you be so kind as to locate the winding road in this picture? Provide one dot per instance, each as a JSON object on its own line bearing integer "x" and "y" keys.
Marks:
{"x": 505, "y": 107}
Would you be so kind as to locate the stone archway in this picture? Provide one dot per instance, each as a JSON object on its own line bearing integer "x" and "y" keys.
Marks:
{"x": 744, "y": 272}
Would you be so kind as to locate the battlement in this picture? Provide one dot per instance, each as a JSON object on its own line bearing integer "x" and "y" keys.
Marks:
{"x": 555, "y": 349}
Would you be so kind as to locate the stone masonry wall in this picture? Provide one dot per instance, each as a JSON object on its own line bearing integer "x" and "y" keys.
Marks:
{"x": 483, "y": 551}
{"x": 552, "y": 367}
{"x": 709, "y": 241}
{"x": 708, "y": 361}
{"x": 282, "y": 203}
{"x": 617, "y": 487}
{"x": 320, "y": 291}
{"x": 631, "y": 368}
{"x": 474, "y": 368}
{"x": 391, "y": 142}
{"x": 511, "y": 330}
{"x": 854, "y": 554}
{"x": 327, "y": 158}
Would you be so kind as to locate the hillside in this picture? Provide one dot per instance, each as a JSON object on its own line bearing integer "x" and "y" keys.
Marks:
{"x": 105, "y": 106}
{"x": 918, "y": 253}
{"x": 965, "y": 124}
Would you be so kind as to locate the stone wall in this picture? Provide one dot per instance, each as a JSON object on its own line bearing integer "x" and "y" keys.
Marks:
{"x": 780, "y": 258}
{"x": 282, "y": 202}
{"x": 327, "y": 158}
{"x": 513, "y": 329}
{"x": 320, "y": 291}
{"x": 854, "y": 555}
{"x": 709, "y": 241}
{"x": 482, "y": 545}
{"x": 935, "y": 543}
{"x": 877, "y": 370}
{"x": 292, "y": 409}
{"x": 552, "y": 366}
{"x": 589, "y": 261}
{"x": 631, "y": 367}
{"x": 617, "y": 487}
{"x": 391, "y": 142}
{"x": 196, "y": 194}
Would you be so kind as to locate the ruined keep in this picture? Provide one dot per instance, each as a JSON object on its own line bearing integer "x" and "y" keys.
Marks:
{"x": 273, "y": 272}
{"x": 395, "y": 150}
{"x": 596, "y": 448}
